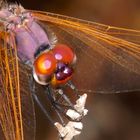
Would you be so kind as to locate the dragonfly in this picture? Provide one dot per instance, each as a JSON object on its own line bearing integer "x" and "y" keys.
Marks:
{"x": 42, "y": 52}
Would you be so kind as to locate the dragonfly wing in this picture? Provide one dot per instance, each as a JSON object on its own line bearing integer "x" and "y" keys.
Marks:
{"x": 27, "y": 104}
{"x": 105, "y": 63}
{"x": 122, "y": 33}
{"x": 13, "y": 107}
{"x": 10, "y": 112}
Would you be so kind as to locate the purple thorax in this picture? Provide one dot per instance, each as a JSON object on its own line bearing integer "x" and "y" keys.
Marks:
{"x": 29, "y": 35}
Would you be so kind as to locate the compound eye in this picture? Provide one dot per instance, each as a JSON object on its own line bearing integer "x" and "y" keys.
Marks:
{"x": 45, "y": 64}
{"x": 63, "y": 53}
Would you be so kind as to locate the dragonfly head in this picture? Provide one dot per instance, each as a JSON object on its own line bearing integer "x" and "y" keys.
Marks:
{"x": 54, "y": 66}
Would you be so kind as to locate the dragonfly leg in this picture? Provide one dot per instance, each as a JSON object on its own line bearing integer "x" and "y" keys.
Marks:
{"x": 58, "y": 109}
{"x": 32, "y": 87}
{"x": 72, "y": 86}
{"x": 61, "y": 107}
{"x": 50, "y": 93}
{"x": 71, "y": 128}
{"x": 75, "y": 112}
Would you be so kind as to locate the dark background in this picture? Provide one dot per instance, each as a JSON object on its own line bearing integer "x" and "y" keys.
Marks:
{"x": 124, "y": 13}
{"x": 111, "y": 117}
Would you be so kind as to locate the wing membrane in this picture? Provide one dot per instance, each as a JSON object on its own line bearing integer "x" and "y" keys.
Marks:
{"x": 11, "y": 119}
{"x": 122, "y": 33}
{"x": 107, "y": 61}
{"x": 12, "y": 110}
{"x": 28, "y": 113}
{"x": 99, "y": 38}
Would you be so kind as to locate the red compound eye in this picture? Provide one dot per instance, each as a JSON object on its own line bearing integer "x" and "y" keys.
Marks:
{"x": 45, "y": 64}
{"x": 63, "y": 53}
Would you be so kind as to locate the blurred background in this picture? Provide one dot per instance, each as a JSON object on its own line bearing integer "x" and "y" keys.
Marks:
{"x": 111, "y": 117}
{"x": 124, "y": 13}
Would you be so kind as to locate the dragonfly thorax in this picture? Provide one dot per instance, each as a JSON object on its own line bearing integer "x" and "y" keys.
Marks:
{"x": 28, "y": 33}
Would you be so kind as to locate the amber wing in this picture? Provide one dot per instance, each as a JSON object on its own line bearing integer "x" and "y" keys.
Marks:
{"x": 108, "y": 57}
{"x": 17, "y": 120}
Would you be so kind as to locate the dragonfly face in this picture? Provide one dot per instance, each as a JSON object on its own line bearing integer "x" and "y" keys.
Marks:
{"x": 36, "y": 44}
{"x": 54, "y": 66}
